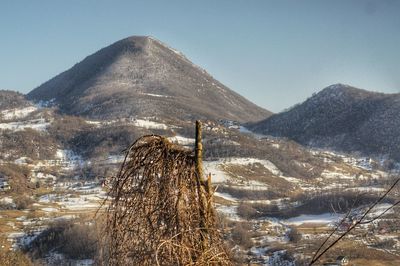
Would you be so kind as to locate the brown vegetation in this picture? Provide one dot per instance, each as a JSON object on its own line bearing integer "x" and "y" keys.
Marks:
{"x": 161, "y": 212}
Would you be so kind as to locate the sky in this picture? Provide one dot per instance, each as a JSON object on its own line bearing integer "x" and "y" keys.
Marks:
{"x": 275, "y": 53}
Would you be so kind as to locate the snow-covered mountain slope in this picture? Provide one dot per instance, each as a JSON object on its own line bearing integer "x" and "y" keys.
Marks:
{"x": 343, "y": 118}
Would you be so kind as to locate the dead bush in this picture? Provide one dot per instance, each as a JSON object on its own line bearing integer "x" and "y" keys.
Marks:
{"x": 74, "y": 240}
{"x": 22, "y": 202}
{"x": 241, "y": 235}
{"x": 294, "y": 235}
{"x": 246, "y": 211}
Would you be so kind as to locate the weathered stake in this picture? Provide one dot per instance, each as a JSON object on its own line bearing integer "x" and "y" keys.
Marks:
{"x": 199, "y": 152}
{"x": 201, "y": 186}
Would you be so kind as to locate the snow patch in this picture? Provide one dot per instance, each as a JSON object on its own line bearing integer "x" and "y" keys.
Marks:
{"x": 217, "y": 174}
{"x": 36, "y": 124}
{"x": 149, "y": 124}
{"x": 226, "y": 196}
{"x": 325, "y": 218}
{"x": 17, "y": 112}
{"x": 244, "y": 130}
{"x": 156, "y": 95}
{"x": 267, "y": 164}
{"x": 229, "y": 212}
{"x": 182, "y": 140}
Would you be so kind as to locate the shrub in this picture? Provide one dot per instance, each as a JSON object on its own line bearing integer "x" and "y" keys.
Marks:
{"x": 248, "y": 194}
{"x": 241, "y": 235}
{"x": 246, "y": 211}
{"x": 22, "y": 202}
{"x": 75, "y": 241}
{"x": 294, "y": 235}
{"x": 80, "y": 242}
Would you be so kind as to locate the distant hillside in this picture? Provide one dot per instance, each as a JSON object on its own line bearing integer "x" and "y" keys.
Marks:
{"x": 140, "y": 76}
{"x": 343, "y": 118}
{"x": 12, "y": 99}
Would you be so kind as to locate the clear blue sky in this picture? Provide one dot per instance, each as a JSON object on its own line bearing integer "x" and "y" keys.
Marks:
{"x": 275, "y": 53}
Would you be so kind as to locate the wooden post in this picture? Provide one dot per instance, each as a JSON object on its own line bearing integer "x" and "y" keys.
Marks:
{"x": 199, "y": 152}
{"x": 201, "y": 189}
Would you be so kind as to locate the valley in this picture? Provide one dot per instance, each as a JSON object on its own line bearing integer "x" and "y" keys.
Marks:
{"x": 274, "y": 212}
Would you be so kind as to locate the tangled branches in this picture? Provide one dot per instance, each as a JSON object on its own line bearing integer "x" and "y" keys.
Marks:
{"x": 160, "y": 211}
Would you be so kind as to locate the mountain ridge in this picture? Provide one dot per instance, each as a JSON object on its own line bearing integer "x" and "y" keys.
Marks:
{"x": 141, "y": 76}
{"x": 341, "y": 117}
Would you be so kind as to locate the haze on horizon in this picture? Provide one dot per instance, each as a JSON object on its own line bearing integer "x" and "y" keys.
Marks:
{"x": 275, "y": 53}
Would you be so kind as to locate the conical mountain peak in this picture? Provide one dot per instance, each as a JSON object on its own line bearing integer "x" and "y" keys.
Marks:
{"x": 141, "y": 76}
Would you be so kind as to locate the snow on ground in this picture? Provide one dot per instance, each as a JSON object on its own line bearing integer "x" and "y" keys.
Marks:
{"x": 379, "y": 209}
{"x": 279, "y": 202}
{"x": 214, "y": 168}
{"x": 156, "y": 95}
{"x": 333, "y": 174}
{"x": 226, "y": 196}
{"x": 245, "y": 161}
{"x": 363, "y": 162}
{"x": 67, "y": 159}
{"x": 114, "y": 159}
{"x": 325, "y": 218}
{"x": 79, "y": 203}
{"x": 14, "y": 235}
{"x": 48, "y": 198}
{"x": 252, "y": 185}
{"x": 367, "y": 189}
{"x": 182, "y": 140}
{"x": 276, "y": 145}
{"x": 149, "y": 124}
{"x": 27, "y": 239}
{"x": 218, "y": 175}
{"x": 54, "y": 258}
{"x": 66, "y": 155}
{"x": 291, "y": 179}
{"x": 21, "y": 160}
{"x": 17, "y": 112}
{"x": 259, "y": 251}
{"x": 276, "y": 259}
{"x": 49, "y": 209}
{"x": 6, "y": 200}
{"x": 230, "y": 212}
{"x": 89, "y": 196}
{"x": 244, "y": 130}
{"x": 144, "y": 123}
{"x": 36, "y": 124}
{"x": 35, "y": 176}
{"x": 95, "y": 123}
{"x": 45, "y": 104}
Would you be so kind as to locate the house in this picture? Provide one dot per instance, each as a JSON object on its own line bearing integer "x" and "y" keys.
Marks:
{"x": 342, "y": 260}
{"x": 4, "y": 186}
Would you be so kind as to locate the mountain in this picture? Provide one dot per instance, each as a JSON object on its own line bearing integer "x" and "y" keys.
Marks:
{"x": 343, "y": 118}
{"x": 142, "y": 77}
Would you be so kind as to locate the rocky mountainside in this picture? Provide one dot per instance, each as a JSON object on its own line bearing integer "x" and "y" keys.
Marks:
{"x": 142, "y": 77}
{"x": 343, "y": 118}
